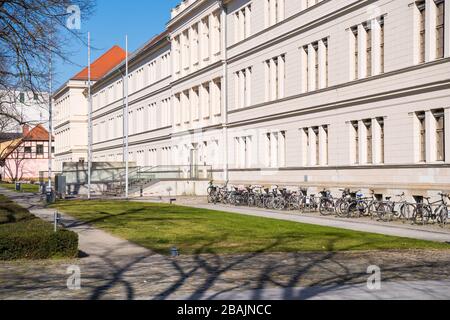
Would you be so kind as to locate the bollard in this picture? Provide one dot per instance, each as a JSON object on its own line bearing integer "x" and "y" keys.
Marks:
{"x": 56, "y": 219}
{"x": 174, "y": 252}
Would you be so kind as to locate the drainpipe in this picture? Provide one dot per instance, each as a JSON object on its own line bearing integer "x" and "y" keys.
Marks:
{"x": 224, "y": 88}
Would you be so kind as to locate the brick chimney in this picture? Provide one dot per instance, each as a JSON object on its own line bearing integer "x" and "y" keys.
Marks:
{"x": 25, "y": 130}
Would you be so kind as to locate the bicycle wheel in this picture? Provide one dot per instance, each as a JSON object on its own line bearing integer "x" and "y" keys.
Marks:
{"x": 268, "y": 202}
{"x": 407, "y": 211}
{"x": 259, "y": 202}
{"x": 326, "y": 207}
{"x": 352, "y": 209}
{"x": 383, "y": 210}
{"x": 293, "y": 203}
{"x": 279, "y": 203}
{"x": 343, "y": 208}
{"x": 442, "y": 215}
{"x": 337, "y": 206}
{"x": 371, "y": 208}
{"x": 251, "y": 200}
{"x": 422, "y": 214}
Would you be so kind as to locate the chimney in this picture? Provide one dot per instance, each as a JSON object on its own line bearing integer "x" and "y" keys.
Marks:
{"x": 25, "y": 130}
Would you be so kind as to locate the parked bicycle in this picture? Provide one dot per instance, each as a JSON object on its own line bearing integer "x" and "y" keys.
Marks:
{"x": 349, "y": 204}
{"x": 424, "y": 212}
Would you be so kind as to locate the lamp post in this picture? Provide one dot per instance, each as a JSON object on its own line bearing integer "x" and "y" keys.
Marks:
{"x": 126, "y": 115}
{"x": 89, "y": 118}
{"x": 49, "y": 190}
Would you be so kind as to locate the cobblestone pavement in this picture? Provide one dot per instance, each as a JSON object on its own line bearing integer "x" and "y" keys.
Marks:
{"x": 207, "y": 276}
{"x": 113, "y": 268}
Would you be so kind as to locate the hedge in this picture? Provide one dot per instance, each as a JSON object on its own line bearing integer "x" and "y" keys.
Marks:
{"x": 24, "y": 236}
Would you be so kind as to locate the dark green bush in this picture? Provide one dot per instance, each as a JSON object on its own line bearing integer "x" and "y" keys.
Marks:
{"x": 23, "y": 236}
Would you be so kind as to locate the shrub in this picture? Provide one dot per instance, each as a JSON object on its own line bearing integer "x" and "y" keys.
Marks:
{"x": 23, "y": 236}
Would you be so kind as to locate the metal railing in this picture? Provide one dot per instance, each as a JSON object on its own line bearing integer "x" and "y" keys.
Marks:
{"x": 138, "y": 177}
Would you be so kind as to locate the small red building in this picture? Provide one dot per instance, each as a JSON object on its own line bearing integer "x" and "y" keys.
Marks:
{"x": 22, "y": 159}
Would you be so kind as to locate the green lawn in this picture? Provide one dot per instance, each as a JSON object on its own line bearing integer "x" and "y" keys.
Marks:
{"x": 160, "y": 226}
{"x": 31, "y": 188}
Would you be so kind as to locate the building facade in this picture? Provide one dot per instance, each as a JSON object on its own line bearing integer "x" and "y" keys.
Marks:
{"x": 23, "y": 158}
{"x": 70, "y": 117}
{"x": 332, "y": 93}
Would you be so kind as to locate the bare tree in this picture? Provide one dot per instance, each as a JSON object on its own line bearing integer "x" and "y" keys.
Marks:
{"x": 32, "y": 32}
{"x": 15, "y": 165}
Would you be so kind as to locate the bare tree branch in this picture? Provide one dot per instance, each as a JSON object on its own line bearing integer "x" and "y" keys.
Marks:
{"x": 31, "y": 33}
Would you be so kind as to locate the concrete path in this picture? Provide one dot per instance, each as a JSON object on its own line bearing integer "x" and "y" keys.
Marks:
{"x": 408, "y": 231}
{"x": 113, "y": 268}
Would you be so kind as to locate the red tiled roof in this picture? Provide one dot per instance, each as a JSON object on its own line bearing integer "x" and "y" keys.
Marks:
{"x": 103, "y": 65}
{"x": 38, "y": 133}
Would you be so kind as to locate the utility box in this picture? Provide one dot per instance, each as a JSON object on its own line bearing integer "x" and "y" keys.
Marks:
{"x": 60, "y": 185}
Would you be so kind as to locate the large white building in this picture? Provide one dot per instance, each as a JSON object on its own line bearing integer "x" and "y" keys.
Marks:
{"x": 70, "y": 116}
{"x": 332, "y": 93}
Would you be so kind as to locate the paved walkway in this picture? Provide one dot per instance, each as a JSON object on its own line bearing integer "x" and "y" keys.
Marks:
{"x": 113, "y": 268}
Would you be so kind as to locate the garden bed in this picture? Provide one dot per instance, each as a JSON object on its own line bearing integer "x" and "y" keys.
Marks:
{"x": 24, "y": 236}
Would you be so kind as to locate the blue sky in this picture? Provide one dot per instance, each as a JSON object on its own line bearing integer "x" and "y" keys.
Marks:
{"x": 111, "y": 21}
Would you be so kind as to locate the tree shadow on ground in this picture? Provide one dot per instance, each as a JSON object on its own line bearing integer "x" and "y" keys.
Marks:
{"x": 206, "y": 275}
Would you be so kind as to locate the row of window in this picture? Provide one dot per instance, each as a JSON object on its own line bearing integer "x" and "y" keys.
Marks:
{"x": 142, "y": 77}
{"x": 431, "y": 29}
{"x": 197, "y": 46}
{"x": 367, "y": 58}
{"x": 430, "y": 130}
{"x": 202, "y": 153}
{"x": 367, "y": 43}
{"x": 63, "y": 139}
{"x": 34, "y": 150}
{"x": 274, "y": 146}
{"x": 198, "y": 103}
{"x": 242, "y": 23}
{"x": 275, "y": 77}
{"x": 62, "y": 110}
{"x": 314, "y": 66}
{"x": 314, "y": 145}
{"x": 140, "y": 119}
{"x": 367, "y": 143}
{"x": 273, "y": 12}
{"x": 367, "y": 139}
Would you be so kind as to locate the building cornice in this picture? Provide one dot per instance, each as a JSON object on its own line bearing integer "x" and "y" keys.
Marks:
{"x": 135, "y": 143}
{"x": 183, "y": 9}
{"x": 197, "y": 73}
